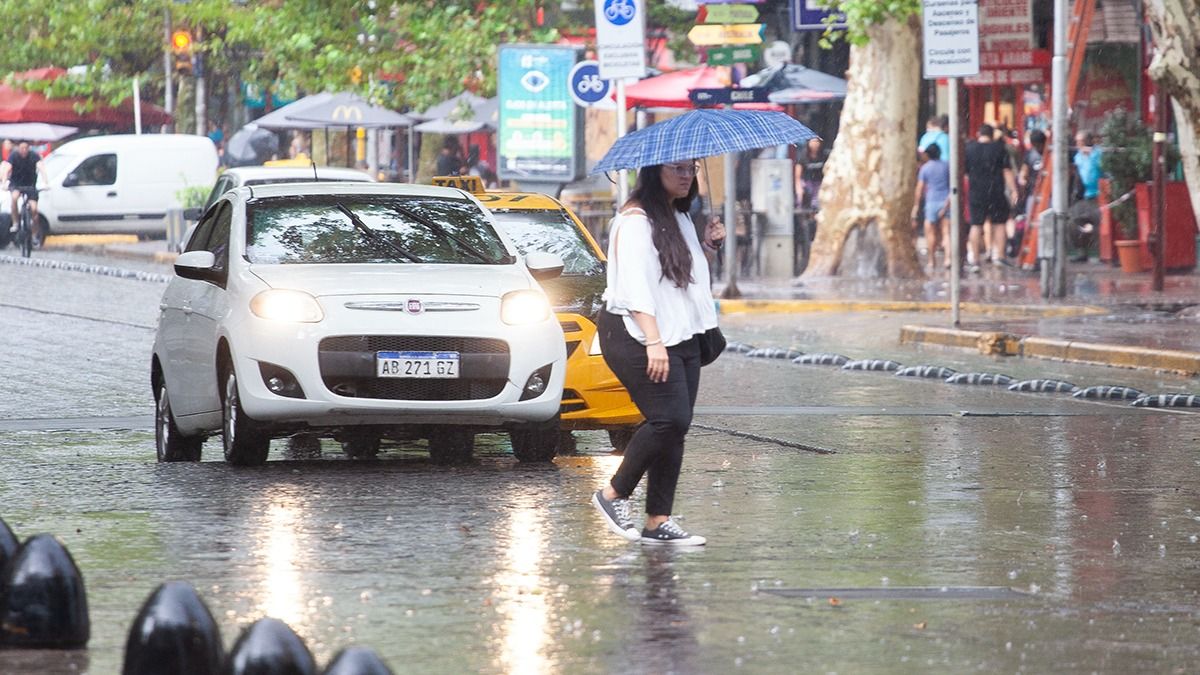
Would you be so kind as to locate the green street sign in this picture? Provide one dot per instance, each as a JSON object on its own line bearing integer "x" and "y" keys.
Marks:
{"x": 727, "y": 56}
{"x": 727, "y": 14}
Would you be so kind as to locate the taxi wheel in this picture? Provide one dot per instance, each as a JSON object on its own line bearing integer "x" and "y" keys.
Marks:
{"x": 535, "y": 442}
{"x": 451, "y": 445}
{"x": 361, "y": 447}
{"x": 244, "y": 443}
{"x": 567, "y": 445}
{"x": 303, "y": 446}
{"x": 171, "y": 445}
{"x": 620, "y": 437}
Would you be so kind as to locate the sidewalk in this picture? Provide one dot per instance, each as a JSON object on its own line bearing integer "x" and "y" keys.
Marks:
{"x": 1108, "y": 317}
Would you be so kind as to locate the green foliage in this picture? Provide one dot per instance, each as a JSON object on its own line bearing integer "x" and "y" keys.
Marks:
{"x": 861, "y": 15}
{"x": 193, "y": 196}
{"x": 1128, "y": 159}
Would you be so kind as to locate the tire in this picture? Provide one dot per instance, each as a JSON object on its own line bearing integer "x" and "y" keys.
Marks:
{"x": 244, "y": 443}
{"x": 361, "y": 447}
{"x": 620, "y": 437}
{"x": 451, "y": 445}
{"x": 567, "y": 445}
{"x": 38, "y": 232}
{"x": 169, "y": 443}
{"x": 535, "y": 442}
{"x": 25, "y": 235}
{"x": 303, "y": 446}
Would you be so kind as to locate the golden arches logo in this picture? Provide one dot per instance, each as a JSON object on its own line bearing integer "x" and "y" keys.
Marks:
{"x": 346, "y": 112}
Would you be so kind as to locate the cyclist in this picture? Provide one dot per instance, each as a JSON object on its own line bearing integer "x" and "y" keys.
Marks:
{"x": 21, "y": 171}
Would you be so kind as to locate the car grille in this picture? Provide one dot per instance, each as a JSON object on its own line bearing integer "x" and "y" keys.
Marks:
{"x": 571, "y": 402}
{"x": 464, "y": 388}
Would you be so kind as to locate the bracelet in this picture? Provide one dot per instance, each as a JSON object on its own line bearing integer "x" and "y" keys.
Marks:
{"x": 656, "y": 342}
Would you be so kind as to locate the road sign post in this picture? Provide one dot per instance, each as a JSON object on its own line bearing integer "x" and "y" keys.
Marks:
{"x": 587, "y": 87}
{"x": 951, "y": 50}
{"x": 727, "y": 34}
{"x": 727, "y": 56}
{"x": 728, "y": 95}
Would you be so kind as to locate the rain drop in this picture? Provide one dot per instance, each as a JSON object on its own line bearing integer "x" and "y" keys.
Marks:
{"x": 741, "y": 639}
{"x": 1192, "y": 538}
{"x": 718, "y": 483}
{"x": 1162, "y": 550}
{"x": 1012, "y": 574}
{"x": 884, "y": 581}
{"x": 1116, "y": 547}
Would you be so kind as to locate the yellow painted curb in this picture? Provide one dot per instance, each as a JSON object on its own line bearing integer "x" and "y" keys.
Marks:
{"x": 71, "y": 240}
{"x": 1007, "y": 344}
{"x": 810, "y": 306}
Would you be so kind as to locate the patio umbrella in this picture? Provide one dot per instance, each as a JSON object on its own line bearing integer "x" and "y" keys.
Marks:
{"x": 251, "y": 146}
{"x": 702, "y": 133}
{"x": 350, "y": 110}
{"x": 17, "y": 105}
{"x": 445, "y": 108}
{"x": 670, "y": 90}
{"x": 281, "y": 118}
{"x": 37, "y": 132}
{"x": 794, "y": 84}
{"x": 484, "y": 116}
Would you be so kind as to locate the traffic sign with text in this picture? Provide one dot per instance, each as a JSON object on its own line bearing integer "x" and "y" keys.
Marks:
{"x": 726, "y": 56}
{"x": 726, "y": 95}
{"x": 727, "y": 34}
{"x": 727, "y": 14}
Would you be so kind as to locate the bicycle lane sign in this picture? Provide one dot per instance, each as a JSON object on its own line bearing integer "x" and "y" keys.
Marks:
{"x": 586, "y": 86}
{"x": 621, "y": 38}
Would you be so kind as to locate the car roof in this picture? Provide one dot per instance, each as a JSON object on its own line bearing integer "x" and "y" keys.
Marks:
{"x": 247, "y": 174}
{"x": 347, "y": 188}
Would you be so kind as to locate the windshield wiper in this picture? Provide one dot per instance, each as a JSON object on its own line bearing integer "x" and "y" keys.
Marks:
{"x": 446, "y": 235}
{"x": 374, "y": 237}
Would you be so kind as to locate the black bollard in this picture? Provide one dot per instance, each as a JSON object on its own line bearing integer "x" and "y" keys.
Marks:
{"x": 269, "y": 647}
{"x": 357, "y": 661}
{"x": 8, "y": 548}
{"x": 45, "y": 605}
{"x": 173, "y": 634}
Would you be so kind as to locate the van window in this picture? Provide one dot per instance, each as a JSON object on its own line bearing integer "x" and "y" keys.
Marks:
{"x": 97, "y": 170}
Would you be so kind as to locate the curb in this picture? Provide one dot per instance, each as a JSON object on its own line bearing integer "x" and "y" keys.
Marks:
{"x": 814, "y": 306}
{"x": 1008, "y": 344}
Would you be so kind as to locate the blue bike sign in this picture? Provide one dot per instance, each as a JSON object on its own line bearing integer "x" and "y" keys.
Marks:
{"x": 619, "y": 12}
{"x": 586, "y": 86}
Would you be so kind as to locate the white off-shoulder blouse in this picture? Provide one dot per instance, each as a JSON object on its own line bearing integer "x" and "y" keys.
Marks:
{"x": 636, "y": 282}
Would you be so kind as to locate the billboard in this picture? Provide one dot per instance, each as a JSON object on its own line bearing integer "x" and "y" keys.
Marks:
{"x": 811, "y": 14}
{"x": 540, "y": 137}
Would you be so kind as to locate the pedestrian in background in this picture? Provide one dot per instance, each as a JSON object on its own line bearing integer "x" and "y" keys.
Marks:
{"x": 1085, "y": 212}
{"x": 656, "y": 304}
{"x": 992, "y": 189}
{"x": 933, "y": 184}
{"x": 449, "y": 159}
{"x": 935, "y": 132}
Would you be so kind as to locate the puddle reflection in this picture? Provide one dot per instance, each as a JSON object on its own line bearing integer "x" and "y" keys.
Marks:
{"x": 278, "y": 549}
{"x": 521, "y": 589}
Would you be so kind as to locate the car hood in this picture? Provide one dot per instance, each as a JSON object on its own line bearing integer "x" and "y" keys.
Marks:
{"x": 385, "y": 279}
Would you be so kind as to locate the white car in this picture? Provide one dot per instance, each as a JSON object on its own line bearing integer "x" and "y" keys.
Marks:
{"x": 355, "y": 311}
{"x": 238, "y": 176}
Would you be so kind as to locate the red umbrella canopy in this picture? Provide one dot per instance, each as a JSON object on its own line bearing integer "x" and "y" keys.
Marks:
{"x": 670, "y": 90}
{"x": 18, "y": 105}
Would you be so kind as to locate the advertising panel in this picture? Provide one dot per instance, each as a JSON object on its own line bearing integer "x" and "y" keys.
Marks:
{"x": 539, "y": 135}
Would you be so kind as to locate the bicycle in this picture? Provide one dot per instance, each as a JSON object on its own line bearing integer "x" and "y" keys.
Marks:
{"x": 24, "y": 219}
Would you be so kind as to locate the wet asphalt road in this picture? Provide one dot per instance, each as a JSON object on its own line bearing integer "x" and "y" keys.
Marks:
{"x": 1049, "y": 534}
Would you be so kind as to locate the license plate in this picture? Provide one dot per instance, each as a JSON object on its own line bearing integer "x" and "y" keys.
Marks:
{"x": 422, "y": 365}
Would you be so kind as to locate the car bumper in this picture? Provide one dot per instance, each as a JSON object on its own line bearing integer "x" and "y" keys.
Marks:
{"x": 593, "y": 397}
{"x": 339, "y": 386}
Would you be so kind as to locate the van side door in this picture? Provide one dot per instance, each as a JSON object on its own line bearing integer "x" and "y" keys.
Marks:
{"x": 87, "y": 199}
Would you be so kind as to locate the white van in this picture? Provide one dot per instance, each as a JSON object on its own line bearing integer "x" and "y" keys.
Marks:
{"x": 120, "y": 183}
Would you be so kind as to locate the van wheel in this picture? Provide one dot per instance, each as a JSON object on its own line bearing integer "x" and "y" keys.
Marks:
{"x": 451, "y": 445}
{"x": 245, "y": 444}
{"x": 169, "y": 443}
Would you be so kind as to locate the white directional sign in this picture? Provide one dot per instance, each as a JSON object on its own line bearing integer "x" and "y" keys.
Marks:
{"x": 621, "y": 38}
{"x": 951, "y": 32}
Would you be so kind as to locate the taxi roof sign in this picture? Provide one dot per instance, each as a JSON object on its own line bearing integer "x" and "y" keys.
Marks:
{"x": 472, "y": 184}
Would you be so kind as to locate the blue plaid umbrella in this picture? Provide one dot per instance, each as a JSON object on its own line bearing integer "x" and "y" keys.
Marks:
{"x": 702, "y": 133}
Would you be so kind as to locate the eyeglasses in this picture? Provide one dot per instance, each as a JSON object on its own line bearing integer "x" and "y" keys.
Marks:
{"x": 688, "y": 169}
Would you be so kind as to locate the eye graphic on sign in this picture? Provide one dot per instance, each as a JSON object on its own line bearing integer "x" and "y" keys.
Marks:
{"x": 619, "y": 12}
{"x": 535, "y": 81}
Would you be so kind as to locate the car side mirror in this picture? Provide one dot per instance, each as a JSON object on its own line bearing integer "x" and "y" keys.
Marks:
{"x": 543, "y": 265}
{"x": 196, "y": 265}
{"x": 71, "y": 180}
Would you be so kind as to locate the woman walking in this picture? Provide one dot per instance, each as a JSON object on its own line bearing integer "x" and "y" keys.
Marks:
{"x": 657, "y": 302}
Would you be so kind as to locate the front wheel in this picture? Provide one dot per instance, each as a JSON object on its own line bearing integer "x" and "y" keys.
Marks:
{"x": 535, "y": 442}
{"x": 37, "y": 233}
{"x": 245, "y": 444}
{"x": 25, "y": 234}
{"x": 361, "y": 447}
{"x": 170, "y": 444}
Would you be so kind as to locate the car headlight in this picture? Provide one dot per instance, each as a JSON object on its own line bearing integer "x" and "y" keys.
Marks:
{"x": 524, "y": 307}
{"x": 594, "y": 348}
{"x": 280, "y": 304}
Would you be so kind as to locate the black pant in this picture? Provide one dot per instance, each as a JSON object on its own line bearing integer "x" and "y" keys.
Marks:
{"x": 657, "y": 447}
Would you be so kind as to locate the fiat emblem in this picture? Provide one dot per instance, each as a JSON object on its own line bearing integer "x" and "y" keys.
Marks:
{"x": 414, "y": 306}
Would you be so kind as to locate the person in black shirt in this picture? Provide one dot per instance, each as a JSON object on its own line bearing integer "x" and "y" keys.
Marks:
{"x": 21, "y": 171}
{"x": 449, "y": 159}
{"x": 993, "y": 191}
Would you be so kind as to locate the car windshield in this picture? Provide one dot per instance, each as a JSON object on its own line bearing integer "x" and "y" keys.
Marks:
{"x": 322, "y": 229}
{"x": 551, "y": 232}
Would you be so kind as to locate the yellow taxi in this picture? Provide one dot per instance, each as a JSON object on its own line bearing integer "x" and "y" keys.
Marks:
{"x": 592, "y": 398}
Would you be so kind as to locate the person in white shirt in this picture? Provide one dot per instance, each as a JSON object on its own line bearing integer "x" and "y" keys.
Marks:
{"x": 656, "y": 304}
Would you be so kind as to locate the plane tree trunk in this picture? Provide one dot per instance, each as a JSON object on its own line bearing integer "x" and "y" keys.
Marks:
{"x": 871, "y": 171}
{"x": 1176, "y": 67}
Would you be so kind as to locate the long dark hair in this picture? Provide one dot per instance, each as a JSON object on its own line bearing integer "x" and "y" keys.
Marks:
{"x": 673, "y": 252}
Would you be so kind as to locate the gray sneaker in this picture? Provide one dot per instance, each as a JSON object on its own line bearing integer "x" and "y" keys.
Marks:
{"x": 616, "y": 515}
{"x": 671, "y": 534}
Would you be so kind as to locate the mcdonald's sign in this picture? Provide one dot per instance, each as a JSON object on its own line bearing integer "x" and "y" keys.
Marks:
{"x": 347, "y": 113}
